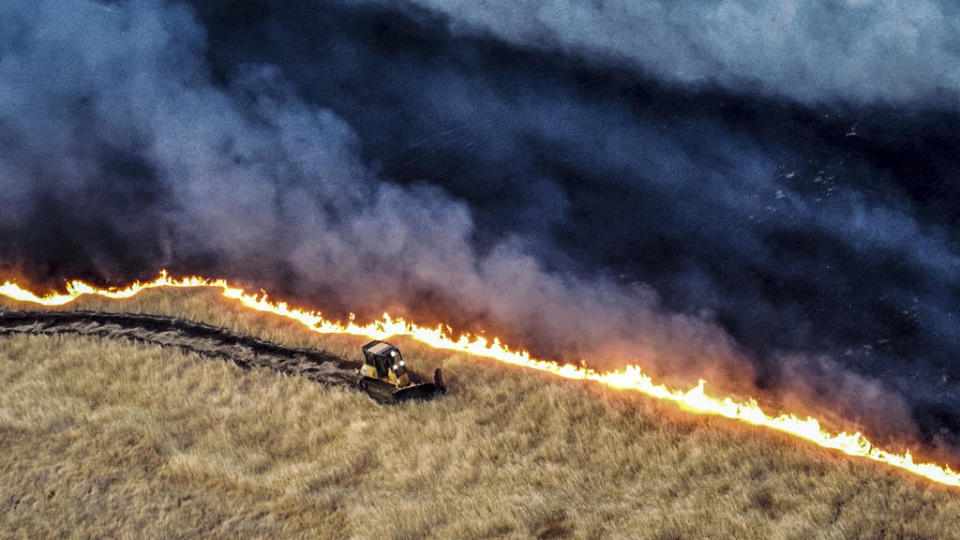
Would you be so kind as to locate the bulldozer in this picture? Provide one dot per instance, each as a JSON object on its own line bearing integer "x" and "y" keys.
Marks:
{"x": 384, "y": 374}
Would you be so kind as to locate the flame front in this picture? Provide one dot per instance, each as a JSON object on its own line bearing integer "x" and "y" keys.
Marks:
{"x": 632, "y": 377}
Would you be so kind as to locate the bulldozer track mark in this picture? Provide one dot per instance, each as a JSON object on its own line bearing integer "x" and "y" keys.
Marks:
{"x": 245, "y": 351}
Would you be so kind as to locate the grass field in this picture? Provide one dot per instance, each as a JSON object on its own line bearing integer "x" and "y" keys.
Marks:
{"x": 115, "y": 439}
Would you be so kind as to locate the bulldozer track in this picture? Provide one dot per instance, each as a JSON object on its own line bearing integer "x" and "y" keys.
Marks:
{"x": 211, "y": 341}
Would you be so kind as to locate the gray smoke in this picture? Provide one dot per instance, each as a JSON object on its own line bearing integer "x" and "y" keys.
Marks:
{"x": 869, "y": 50}
{"x": 254, "y": 175}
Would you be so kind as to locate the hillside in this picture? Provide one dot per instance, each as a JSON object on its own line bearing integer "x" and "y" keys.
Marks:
{"x": 112, "y": 438}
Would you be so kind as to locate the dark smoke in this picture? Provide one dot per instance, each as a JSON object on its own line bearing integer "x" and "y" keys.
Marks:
{"x": 859, "y": 50}
{"x": 793, "y": 235}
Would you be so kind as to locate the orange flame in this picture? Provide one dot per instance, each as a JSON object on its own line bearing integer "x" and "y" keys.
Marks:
{"x": 632, "y": 377}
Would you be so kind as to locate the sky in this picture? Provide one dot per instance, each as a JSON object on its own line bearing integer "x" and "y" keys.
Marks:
{"x": 761, "y": 194}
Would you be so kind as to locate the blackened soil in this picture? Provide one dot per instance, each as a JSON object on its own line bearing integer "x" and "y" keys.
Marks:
{"x": 244, "y": 351}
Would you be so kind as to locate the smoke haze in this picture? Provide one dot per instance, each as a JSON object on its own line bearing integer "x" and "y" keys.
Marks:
{"x": 762, "y": 197}
{"x": 856, "y": 50}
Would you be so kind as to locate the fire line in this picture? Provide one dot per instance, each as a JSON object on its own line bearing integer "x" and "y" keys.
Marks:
{"x": 631, "y": 377}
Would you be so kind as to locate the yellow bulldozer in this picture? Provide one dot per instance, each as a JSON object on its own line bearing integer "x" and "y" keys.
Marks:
{"x": 384, "y": 374}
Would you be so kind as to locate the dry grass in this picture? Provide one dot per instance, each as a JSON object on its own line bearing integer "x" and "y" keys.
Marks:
{"x": 101, "y": 438}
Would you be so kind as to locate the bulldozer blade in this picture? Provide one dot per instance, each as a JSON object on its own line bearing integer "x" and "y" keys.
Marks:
{"x": 416, "y": 391}
{"x": 422, "y": 391}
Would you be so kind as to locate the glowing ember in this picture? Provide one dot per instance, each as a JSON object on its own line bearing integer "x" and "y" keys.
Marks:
{"x": 631, "y": 377}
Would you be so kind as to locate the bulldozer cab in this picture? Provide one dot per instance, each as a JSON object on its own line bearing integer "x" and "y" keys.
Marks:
{"x": 383, "y": 361}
